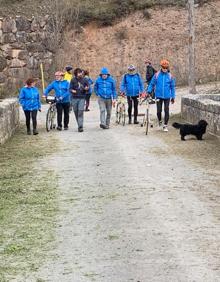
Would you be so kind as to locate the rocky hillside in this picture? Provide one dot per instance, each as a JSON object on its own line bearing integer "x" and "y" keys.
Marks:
{"x": 97, "y": 33}
{"x": 137, "y": 37}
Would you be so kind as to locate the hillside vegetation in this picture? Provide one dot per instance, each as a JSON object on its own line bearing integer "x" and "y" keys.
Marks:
{"x": 103, "y": 12}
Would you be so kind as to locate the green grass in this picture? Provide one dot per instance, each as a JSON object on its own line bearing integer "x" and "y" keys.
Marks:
{"x": 28, "y": 204}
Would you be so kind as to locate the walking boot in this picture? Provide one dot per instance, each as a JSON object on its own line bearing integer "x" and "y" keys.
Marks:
{"x": 28, "y": 131}
{"x": 80, "y": 129}
{"x": 35, "y": 132}
{"x": 103, "y": 126}
{"x": 129, "y": 121}
{"x": 136, "y": 122}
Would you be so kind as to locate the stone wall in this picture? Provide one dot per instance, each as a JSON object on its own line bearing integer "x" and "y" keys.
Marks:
{"x": 9, "y": 118}
{"x": 207, "y": 107}
{"x": 24, "y": 44}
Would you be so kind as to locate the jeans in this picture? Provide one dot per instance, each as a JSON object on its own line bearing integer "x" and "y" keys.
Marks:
{"x": 135, "y": 101}
{"x": 166, "y": 109}
{"x": 105, "y": 105}
{"x": 63, "y": 107}
{"x": 78, "y": 108}
{"x": 31, "y": 115}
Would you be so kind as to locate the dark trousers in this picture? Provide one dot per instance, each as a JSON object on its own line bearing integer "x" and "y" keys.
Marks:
{"x": 88, "y": 96}
{"x": 63, "y": 107}
{"x": 31, "y": 115}
{"x": 166, "y": 103}
{"x": 132, "y": 100}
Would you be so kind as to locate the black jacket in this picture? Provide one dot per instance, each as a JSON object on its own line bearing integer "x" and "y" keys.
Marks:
{"x": 150, "y": 73}
{"x": 79, "y": 85}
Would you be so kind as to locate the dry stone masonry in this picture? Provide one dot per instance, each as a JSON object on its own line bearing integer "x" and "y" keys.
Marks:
{"x": 9, "y": 118}
{"x": 196, "y": 107}
{"x": 24, "y": 44}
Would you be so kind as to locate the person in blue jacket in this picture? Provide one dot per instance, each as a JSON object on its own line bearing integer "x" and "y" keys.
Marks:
{"x": 132, "y": 86}
{"x": 89, "y": 92}
{"x": 62, "y": 94}
{"x": 29, "y": 98}
{"x": 105, "y": 89}
{"x": 163, "y": 84}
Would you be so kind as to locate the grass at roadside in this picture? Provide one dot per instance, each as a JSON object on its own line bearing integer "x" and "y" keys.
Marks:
{"x": 28, "y": 204}
{"x": 204, "y": 153}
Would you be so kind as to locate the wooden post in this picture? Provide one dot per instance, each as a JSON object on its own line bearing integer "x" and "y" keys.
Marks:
{"x": 192, "y": 81}
{"x": 42, "y": 76}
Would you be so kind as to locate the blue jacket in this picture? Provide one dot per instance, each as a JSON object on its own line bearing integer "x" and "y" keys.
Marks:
{"x": 105, "y": 88}
{"x": 61, "y": 89}
{"x": 163, "y": 84}
{"x": 29, "y": 98}
{"x": 132, "y": 84}
{"x": 90, "y": 81}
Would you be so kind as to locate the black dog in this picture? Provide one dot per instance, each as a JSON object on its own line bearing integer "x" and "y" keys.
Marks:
{"x": 187, "y": 129}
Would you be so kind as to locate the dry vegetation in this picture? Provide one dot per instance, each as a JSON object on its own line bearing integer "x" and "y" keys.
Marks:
{"x": 104, "y": 12}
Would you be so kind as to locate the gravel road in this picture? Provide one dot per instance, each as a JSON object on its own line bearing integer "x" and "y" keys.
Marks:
{"x": 134, "y": 207}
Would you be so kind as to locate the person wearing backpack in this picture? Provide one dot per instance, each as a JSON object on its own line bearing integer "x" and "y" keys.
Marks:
{"x": 132, "y": 86}
{"x": 163, "y": 84}
{"x": 105, "y": 89}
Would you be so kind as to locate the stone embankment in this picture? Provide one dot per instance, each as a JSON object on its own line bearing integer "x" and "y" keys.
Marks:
{"x": 207, "y": 107}
{"x": 9, "y": 118}
{"x": 24, "y": 44}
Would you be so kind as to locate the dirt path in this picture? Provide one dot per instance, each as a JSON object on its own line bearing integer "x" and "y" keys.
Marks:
{"x": 134, "y": 208}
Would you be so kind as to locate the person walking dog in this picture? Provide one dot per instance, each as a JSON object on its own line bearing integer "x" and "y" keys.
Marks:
{"x": 163, "y": 83}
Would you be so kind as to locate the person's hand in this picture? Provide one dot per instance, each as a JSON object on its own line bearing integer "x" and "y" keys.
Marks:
{"x": 142, "y": 95}
{"x": 44, "y": 97}
{"x": 122, "y": 94}
{"x": 113, "y": 102}
{"x": 73, "y": 91}
{"x": 172, "y": 101}
{"x": 86, "y": 88}
{"x": 39, "y": 110}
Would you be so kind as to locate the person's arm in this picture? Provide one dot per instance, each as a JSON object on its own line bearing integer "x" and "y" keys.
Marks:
{"x": 141, "y": 84}
{"x": 173, "y": 89}
{"x": 22, "y": 97}
{"x": 90, "y": 81}
{"x": 71, "y": 88}
{"x": 39, "y": 101}
{"x": 114, "y": 93}
{"x": 123, "y": 85}
{"x": 152, "y": 84}
{"x": 66, "y": 90}
{"x": 86, "y": 84}
{"x": 48, "y": 89}
{"x": 96, "y": 88}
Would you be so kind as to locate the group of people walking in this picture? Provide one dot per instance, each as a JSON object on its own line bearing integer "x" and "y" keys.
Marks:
{"x": 73, "y": 91}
